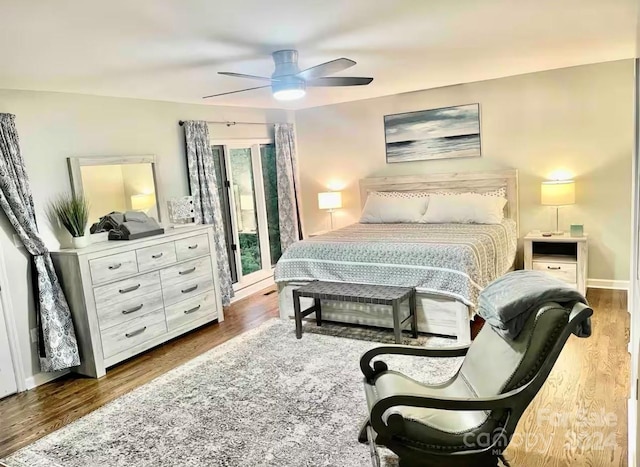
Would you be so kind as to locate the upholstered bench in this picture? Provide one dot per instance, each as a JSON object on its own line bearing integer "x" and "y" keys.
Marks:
{"x": 358, "y": 293}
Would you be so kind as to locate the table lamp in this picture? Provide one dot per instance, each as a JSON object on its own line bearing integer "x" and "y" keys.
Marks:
{"x": 330, "y": 200}
{"x": 143, "y": 202}
{"x": 558, "y": 193}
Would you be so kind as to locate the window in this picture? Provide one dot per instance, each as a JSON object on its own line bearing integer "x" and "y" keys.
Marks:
{"x": 248, "y": 191}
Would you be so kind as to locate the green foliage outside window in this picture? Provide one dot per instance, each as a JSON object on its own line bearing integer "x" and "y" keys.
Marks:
{"x": 249, "y": 253}
{"x": 270, "y": 179}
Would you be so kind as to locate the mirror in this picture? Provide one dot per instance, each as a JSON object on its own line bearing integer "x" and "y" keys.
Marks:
{"x": 122, "y": 184}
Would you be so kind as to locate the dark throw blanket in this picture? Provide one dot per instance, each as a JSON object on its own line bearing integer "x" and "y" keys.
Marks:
{"x": 507, "y": 302}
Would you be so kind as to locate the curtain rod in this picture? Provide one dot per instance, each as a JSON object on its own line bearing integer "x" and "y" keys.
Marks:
{"x": 229, "y": 123}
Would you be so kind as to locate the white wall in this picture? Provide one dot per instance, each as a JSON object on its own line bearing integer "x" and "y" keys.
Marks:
{"x": 54, "y": 126}
{"x": 578, "y": 119}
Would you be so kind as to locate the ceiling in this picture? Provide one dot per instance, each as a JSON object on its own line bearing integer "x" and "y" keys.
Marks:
{"x": 172, "y": 50}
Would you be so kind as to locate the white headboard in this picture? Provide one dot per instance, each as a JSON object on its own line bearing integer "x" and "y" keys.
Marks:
{"x": 477, "y": 182}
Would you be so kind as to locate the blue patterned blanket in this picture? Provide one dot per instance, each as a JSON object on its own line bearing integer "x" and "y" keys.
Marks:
{"x": 454, "y": 260}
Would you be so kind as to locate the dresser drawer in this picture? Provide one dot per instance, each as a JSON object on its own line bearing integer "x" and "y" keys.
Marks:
{"x": 186, "y": 271}
{"x": 126, "y": 291}
{"x": 153, "y": 257}
{"x": 191, "y": 309}
{"x": 134, "y": 332}
{"x": 187, "y": 289}
{"x": 113, "y": 267}
{"x": 567, "y": 272}
{"x": 192, "y": 247}
{"x": 116, "y": 313}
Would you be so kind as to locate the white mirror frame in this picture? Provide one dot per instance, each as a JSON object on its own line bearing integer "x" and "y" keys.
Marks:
{"x": 75, "y": 175}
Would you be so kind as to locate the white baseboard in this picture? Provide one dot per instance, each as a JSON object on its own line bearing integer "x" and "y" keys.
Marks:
{"x": 607, "y": 284}
{"x": 253, "y": 288}
{"x": 42, "y": 378}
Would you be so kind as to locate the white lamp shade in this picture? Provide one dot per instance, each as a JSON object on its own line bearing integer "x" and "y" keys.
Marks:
{"x": 142, "y": 202}
{"x": 558, "y": 193}
{"x": 330, "y": 200}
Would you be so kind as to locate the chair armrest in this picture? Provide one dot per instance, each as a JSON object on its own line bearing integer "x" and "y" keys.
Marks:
{"x": 379, "y": 367}
{"x": 507, "y": 401}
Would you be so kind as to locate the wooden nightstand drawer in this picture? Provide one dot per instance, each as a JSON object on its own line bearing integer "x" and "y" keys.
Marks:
{"x": 561, "y": 256}
{"x": 567, "y": 272}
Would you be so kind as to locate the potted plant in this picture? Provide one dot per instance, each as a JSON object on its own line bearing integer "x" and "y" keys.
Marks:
{"x": 72, "y": 211}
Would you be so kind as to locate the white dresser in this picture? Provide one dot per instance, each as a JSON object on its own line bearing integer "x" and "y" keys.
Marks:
{"x": 129, "y": 296}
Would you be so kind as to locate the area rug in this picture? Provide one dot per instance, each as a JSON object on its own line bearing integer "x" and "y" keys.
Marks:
{"x": 261, "y": 399}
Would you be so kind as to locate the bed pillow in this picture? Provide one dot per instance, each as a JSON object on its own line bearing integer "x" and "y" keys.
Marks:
{"x": 499, "y": 193}
{"x": 384, "y": 209}
{"x": 401, "y": 194}
{"x": 464, "y": 208}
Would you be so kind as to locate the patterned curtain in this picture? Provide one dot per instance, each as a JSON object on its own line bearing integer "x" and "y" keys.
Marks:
{"x": 204, "y": 189}
{"x": 57, "y": 344}
{"x": 288, "y": 185}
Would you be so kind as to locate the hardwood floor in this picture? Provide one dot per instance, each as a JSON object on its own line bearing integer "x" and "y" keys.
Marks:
{"x": 31, "y": 415}
{"x": 570, "y": 423}
{"x": 579, "y": 418}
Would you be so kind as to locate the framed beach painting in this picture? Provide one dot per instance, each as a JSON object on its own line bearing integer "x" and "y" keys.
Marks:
{"x": 445, "y": 133}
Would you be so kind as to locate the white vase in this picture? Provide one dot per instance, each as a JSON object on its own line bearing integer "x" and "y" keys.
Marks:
{"x": 81, "y": 242}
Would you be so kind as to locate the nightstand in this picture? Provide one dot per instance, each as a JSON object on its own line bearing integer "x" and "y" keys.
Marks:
{"x": 562, "y": 256}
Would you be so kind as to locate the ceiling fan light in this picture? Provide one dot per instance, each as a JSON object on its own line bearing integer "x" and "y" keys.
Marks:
{"x": 289, "y": 94}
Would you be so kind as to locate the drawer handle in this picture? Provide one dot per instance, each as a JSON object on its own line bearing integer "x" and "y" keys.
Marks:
{"x": 113, "y": 267}
{"x": 192, "y": 310}
{"x": 193, "y": 247}
{"x": 554, "y": 268}
{"x": 190, "y": 289}
{"x": 187, "y": 271}
{"x": 132, "y": 310}
{"x": 136, "y": 332}
{"x": 159, "y": 255}
{"x": 129, "y": 289}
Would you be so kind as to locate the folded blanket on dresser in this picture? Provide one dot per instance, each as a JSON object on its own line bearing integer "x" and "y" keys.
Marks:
{"x": 507, "y": 302}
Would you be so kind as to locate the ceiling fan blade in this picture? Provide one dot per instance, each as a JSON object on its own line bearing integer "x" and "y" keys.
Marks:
{"x": 340, "y": 81}
{"x": 233, "y": 92}
{"x": 242, "y": 75}
{"x": 328, "y": 68}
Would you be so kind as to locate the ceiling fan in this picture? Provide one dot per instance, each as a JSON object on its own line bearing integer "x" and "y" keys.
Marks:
{"x": 288, "y": 82}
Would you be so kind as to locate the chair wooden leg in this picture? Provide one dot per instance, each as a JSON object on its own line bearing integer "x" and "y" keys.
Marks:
{"x": 414, "y": 313}
{"x": 397, "y": 331}
{"x": 297, "y": 314}
{"x": 316, "y": 305}
{"x": 362, "y": 437}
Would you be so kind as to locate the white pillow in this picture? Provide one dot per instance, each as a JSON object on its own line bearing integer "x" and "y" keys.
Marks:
{"x": 464, "y": 208}
{"x": 499, "y": 193}
{"x": 380, "y": 209}
{"x": 401, "y": 194}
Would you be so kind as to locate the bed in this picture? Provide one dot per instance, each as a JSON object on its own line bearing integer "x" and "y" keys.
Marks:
{"x": 448, "y": 264}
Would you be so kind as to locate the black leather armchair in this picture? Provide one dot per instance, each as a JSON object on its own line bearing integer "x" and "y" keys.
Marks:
{"x": 470, "y": 419}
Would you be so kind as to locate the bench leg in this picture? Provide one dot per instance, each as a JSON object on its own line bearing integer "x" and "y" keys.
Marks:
{"x": 413, "y": 309}
{"x": 396, "y": 322}
{"x": 317, "y": 306}
{"x": 297, "y": 314}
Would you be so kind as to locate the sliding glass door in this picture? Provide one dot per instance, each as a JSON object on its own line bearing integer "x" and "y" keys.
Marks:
{"x": 249, "y": 198}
